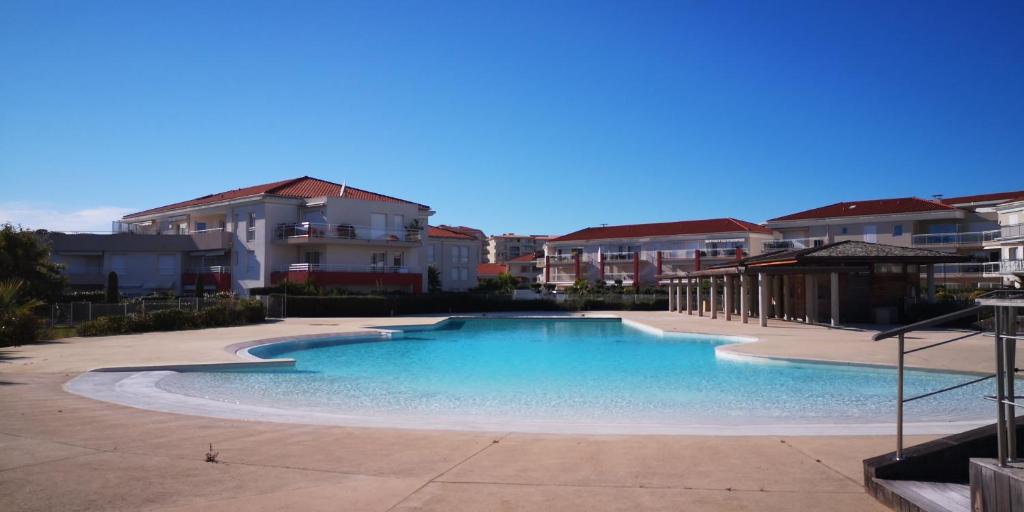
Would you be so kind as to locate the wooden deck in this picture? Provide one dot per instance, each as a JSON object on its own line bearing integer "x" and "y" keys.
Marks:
{"x": 931, "y": 496}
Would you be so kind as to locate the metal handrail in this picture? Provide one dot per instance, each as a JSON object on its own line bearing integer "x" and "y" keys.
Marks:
{"x": 939, "y": 320}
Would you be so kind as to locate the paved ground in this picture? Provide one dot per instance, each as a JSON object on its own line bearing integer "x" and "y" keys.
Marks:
{"x": 64, "y": 452}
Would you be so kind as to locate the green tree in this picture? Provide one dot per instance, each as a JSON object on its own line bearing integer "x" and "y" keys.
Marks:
{"x": 113, "y": 291}
{"x": 507, "y": 282}
{"x": 25, "y": 256}
{"x": 433, "y": 279}
{"x": 17, "y": 323}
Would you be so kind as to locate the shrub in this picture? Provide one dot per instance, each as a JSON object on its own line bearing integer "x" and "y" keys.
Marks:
{"x": 18, "y": 324}
{"x": 104, "y": 326}
{"x": 220, "y": 315}
{"x": 171, "y": 320}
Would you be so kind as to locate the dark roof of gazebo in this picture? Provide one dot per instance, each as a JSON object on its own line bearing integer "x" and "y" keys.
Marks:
{"x": 848, "y": 251}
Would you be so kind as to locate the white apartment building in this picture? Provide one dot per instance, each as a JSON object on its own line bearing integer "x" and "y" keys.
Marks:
{"x": 963, "y": 225}
{"x": 1009, "y": 243}
{"x": 455, "y": 255}
{"x": 502, "y": 248}
{"x": 299, "y": 229}
{"x": 635, "y": 254}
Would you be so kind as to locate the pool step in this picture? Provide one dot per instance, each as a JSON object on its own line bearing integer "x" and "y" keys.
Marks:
{"x": 929, "y": 496}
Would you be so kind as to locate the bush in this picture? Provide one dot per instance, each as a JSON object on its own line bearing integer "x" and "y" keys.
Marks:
{"x": 224, "y": 314}
{"x": 20, "y": 328}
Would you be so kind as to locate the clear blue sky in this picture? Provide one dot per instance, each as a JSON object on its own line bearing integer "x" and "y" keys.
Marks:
{"x": 510, "y": 116}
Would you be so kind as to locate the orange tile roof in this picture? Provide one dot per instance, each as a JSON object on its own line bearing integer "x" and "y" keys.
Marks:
{"x": 302, "y": 187}
{"x": 439, "y": 232}
{"x": 686, "y": 227}
{"x": 982, "y": 198}
{"x": 473, "y": 232}
{"x": 871, "y": 207}
{"x": 490, "y": 269}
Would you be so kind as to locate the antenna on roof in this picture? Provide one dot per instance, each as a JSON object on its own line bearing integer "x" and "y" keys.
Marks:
{"x": 342, "y": 192}
{"x": 604, "y": 225}
{"x": 937, "y": 197}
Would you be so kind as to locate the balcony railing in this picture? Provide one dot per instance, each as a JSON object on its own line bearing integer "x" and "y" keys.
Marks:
{"x": 323, "y": 267}
{"x": 1011, "y": 232}
{"x": 214, "y": 269}
{"x": 966, "y": 238}
{"x": 793, "y": 243}
{"x": 562, "y": 258}
{"x": 618, "y": 256}
{"x": 310, "y": 230}
{"x": 1011, "y": 267}
{"x": 964, "y": 269}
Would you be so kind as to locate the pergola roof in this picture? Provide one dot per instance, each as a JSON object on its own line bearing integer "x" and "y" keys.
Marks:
{"x": 833, "y": 256}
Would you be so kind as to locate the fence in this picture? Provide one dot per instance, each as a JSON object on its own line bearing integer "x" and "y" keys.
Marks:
{"x": 72, "y": 313}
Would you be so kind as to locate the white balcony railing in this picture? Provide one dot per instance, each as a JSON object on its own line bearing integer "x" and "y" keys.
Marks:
{"x": 1011, "y": 232}
{"x": 562, "y": 258}
{"x": 625, "y": 277}
{"x": 618, "y": 256}
{"x": 965, "y": 238}
{"x": 311, "y": 230}
{"x": 793, "y": 243}
{"x": 322, "y": 267}
{"x": 1011, "y": 267}
{"x": 679, "y": 254}
{"x": 960, "y": 269}
{"x": 214, "y": 269}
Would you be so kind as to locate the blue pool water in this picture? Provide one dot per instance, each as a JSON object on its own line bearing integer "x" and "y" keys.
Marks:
{"x": 573, "y": 372}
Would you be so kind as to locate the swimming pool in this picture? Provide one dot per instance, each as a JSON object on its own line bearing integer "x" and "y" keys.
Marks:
{"x": 569, "y": 375}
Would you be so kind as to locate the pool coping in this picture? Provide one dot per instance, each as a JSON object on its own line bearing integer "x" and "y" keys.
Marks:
{"x": 213, "y": 408}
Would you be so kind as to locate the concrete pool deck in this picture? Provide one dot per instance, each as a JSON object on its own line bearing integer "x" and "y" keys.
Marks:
{"x": 65, "y": 452}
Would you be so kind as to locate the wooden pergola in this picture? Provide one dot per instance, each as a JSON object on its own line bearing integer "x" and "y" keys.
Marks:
{"x": 788, "y": 283}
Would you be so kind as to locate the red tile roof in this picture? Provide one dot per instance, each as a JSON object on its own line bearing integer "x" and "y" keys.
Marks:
{"x": 473, "y": 232}
{"x": 303, "y": 187}
{"x": 526, "y": 258}
{"x": 686, "y": 227}
{"x": 490, "y": 269}
{"x": 872, "y": 207}
{"x": 439, "y": 232}
{"x": 982, "y": 198}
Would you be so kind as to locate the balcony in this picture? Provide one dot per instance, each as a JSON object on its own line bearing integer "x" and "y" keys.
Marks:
{"x": 367, "y": 277}
{"x": 1011, "y": 232}
{"x": 562, "y": 259}
{"x": 612, "y": 257}
{"x": 969, "y": 238}
{"x": 968, "y": 269}
{"x": 1008, "y": 267}
{"x": 304, "y": 232}
{"x": 793, "y": 243}
{"x": 217, "y": 277}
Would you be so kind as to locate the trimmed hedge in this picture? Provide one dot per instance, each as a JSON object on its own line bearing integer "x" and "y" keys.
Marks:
{"x": 367, "y": 306}
{"x": 221, "y": 315}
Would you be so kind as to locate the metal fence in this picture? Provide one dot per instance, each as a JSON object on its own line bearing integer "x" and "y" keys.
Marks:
{"x": 72, "y": 313}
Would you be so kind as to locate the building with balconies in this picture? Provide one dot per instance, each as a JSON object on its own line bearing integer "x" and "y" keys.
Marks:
{"x": 455, "y": 255}
{"x": 301, "y": 229}
{"x": 964, "y": 225}
{"x": 634, "y": 254}
{"x": 1009, "y": 242}
{"x": 502, "y": 248}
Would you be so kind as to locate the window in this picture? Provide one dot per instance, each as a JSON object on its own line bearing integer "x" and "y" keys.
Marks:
{"x": 430, "y": 253}
{"x": 398, "y": 259}
{"x": 897, "y": 230}
{"x": 183, "y": 228}
{"x": 250, "y": 228}
{"x": 253, "y": 264}
{"x": 377, "y": 260}
{"x": 455, "y": 274}
{"x": 463, "y": 254}
{"x": 312, "y": 257}
{"x": 1012, "y": 254}
{"x": 463, "y": 273}
{"x": 398, "y": 225}
{"x": 378, "y": 225}
{"x": 455, "y": 254}
{"x": 166, "y": 264}
{"x": 1012, "y": 219}
{"x": 119, "y": 264}
{"x": 870, "y": 233}
{"x": 888, "y": 268}
{"x": 200, "y": 226}
{"x": 844, "y": 231}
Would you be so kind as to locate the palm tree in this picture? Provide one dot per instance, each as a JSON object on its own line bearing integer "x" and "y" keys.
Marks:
{"x": 15, "y": 314}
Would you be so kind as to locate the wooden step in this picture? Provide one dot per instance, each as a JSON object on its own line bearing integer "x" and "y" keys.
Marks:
{"x": 931, "y": 496}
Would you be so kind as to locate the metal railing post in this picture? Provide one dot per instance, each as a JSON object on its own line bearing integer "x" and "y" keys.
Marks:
{"x": 1000, "y": 388}
{"x": 899, "y": 399}
{"x": 1010, "y": 351}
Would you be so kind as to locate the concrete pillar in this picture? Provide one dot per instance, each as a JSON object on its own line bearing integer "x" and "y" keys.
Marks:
{"x": 689, "y": 296}
{"x": 728, "y": 298}
{"x": 679, "y": 297}
{"x": 931, "y": 283}
{"x": 714, "y": 297}
{"x": 835, "y": 298}
{"x": 671, "y": 296}
{"x": 776, "y": 296}
{"x": 762, "y": 298}
{"x": 744, "y": 298}
{"x": 809, "y": 298}
{"x": 700, "y": 299}
{"x": 788, "y": 295}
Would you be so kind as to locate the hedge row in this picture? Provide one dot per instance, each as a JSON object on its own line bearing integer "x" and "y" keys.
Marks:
{"x": 221, "y": 315}
{"x": 346, "y": 306}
